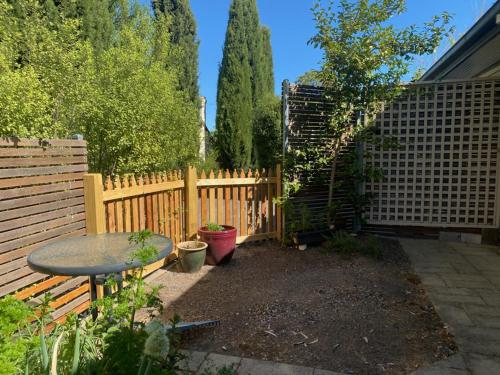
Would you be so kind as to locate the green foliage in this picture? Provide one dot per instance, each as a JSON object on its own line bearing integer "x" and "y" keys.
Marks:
{"x": 183, "y": 38}
{"x": 347, "y": 245}
{"x": 113, "y": 344}
{"x": 246, "y": 86}
{"x": 234, "y": 93}
{"x": 60, "y": 75}
{"x": 212, "y": 227}
{"x": 310, "y": 78}
{"x": 342, "y": 243}
{"x": 14, "y": 346}
{"x": 371, "y": 247}
{"x": 365, "y": 58}
{"x": 267, "y": 132}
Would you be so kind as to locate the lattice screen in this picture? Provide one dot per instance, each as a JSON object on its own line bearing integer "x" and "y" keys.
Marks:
{"x": 446, "y": 175}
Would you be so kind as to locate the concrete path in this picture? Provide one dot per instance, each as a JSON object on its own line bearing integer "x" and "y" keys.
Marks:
{"x": 463, "y": 283}
{"x": 201, "y": 363}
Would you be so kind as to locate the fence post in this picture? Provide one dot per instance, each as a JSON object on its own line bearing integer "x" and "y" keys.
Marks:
{"x": 278, "y": 206}
{"x": 191, "y": 204}
{"x": 94, "y": 205}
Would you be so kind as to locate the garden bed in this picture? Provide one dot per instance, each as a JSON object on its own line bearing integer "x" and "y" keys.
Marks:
{"x": 357, "y": 315}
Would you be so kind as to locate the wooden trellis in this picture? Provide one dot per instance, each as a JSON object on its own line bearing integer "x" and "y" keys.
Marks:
{"x": 445, "y": 173}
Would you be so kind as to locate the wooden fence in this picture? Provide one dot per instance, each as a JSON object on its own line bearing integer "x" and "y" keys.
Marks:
{"x": 176, "y": 204}
{"x": 41, "y": 201}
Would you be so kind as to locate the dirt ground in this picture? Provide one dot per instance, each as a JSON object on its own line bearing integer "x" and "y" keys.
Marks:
{"x": 357, "y": 316}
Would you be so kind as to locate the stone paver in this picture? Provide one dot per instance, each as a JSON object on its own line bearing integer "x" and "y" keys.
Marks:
{"x": 463, "y": 283}
{"x": 198, "y": 362}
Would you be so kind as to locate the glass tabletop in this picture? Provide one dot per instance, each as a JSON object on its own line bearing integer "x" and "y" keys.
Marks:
{"x": 93, "y": 254}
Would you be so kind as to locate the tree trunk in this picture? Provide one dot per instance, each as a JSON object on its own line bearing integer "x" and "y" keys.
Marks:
{"x": 333, "y": 171}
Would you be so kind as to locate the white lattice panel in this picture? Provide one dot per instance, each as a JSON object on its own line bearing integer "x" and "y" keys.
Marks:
{"x": 446, "y": 172}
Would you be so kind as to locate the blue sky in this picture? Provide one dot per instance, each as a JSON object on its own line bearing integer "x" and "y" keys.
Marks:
{"x": 291, "y": 26}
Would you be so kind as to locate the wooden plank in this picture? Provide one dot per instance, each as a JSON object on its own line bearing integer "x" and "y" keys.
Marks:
{"x": 70, "y": 306}
{"x": 38, "y": 199}
{"x": 142, "y": 206}
{"x": 19, "y": 253}
{"x": 14, "y": 275}
{"x": 33, "y": 219}
{"x": 33, "y": 210}
{"x": 40, "y": 287}
{"x": 235, "y": 219}
{"x": 25, "y": 281}
{"x": 250, "y": 207}
{"x": 117, "y": 184}
{"x": 70, "y": 284}
{"x": 69, "y": 296}
{"x": 203, "y": 202}
{"x": 40, "y": 171}
{"x": 220, "y": 201}
{"x": 243, "y": 206}
{"x": 135, "y": 207}
{"x": 35, "y": 228}
{"x": 41, "y": 189}
{"x": 227, "y": 200}
{"x": 40, "y": 152}
{"x": 11, "y": 266}
{"x": 236, "y": 181}
{"x": 27, "y": 162}
{"x": 127, "y": 209}
{"x": 34, "y": 238}
{"x": 77, "y": 310}
{"x": 211, "y": 200}
{"x": 28, "y": 142}
{"x": 191, "y": 199}
{"x": 94, "y": 207}
{"x": 161, "y": 213}
{"x": 26, "y": 181}
{"x": 142, "y": 190}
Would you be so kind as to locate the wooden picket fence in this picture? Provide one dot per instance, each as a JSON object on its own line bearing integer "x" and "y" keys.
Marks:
{"x": 176, "y": 204}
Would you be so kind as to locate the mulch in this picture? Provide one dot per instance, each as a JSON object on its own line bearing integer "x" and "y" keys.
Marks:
{"x": 310, "y": 308}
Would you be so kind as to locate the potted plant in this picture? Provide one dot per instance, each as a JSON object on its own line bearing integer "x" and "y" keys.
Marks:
{"x": 221, "y": 240}
{"x": 192, "y": 255}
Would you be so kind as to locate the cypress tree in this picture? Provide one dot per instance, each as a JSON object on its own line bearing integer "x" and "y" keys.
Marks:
{"x": 96, "y": 17}
{"x": 235, "y": 92}
{"x": 183, "y": 37}
{"x": 267, "y": 62}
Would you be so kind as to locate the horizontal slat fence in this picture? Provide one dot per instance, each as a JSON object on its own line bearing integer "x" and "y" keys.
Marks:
{"x": 41, "y": 201}
{"x": 161, "y": 202}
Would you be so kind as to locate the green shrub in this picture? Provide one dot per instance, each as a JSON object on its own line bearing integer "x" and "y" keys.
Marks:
{"x": 371, "y": 247}
{"x": 342, "y": 243}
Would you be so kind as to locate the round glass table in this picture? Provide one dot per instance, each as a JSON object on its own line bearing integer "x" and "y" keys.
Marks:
{"x": 93, "y": 255}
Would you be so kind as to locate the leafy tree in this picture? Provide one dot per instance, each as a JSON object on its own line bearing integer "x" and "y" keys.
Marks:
{"x": 183, "y": 37}
{"x": 267, "y": 62}
{"x": 123, "y": 100}
{"x": 234, "y": 93}
{"x": 364, "y": 61}
{"x": 310, "y": 78}
{"x": 96, "y": 20}
{"x": 267, "y": 132}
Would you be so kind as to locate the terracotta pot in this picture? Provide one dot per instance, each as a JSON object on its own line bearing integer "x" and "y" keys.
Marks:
{"x": 221, "y": 244}
{"x": 192, "y": 255}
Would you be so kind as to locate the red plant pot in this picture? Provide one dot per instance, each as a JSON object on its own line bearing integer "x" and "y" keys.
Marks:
{"x": 221, "y": 244}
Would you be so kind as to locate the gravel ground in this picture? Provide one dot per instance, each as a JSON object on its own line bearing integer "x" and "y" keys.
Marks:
{"x": 358, "y": 315}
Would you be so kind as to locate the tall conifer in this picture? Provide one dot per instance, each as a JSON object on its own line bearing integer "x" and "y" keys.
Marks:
{"x": 234, "y": 95}
{"x": 183, "y": 37}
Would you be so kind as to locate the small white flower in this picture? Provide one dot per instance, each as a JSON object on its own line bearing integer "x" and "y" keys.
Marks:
{"x": 157, "y": 345}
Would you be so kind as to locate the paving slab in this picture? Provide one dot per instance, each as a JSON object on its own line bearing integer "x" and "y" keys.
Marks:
{"x": 215, "y": 361}
{"x": 255, "y": 367}
{"x": 468, "y": 300}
